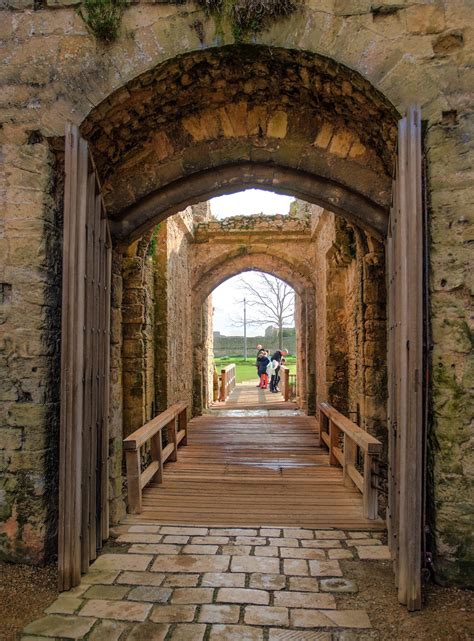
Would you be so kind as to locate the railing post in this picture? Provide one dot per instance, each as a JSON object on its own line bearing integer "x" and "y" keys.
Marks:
{"x": 333, "y": 441}
{"x": 134, "y": 481}
{"x": 215, "y": 386}
{"x": 286, "y": 377}
{"x": 323, "y": 425}
{"x": 156, "y": 446}
{"x": 223, "y": 385}
{"x": 172, "y": 438}
{"x": 369, "y": 496}
{"x": 183, "y": 425}
{"x": 350, "y": 456}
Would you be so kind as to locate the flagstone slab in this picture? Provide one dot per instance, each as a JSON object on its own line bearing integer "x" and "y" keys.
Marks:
{"x": 312, "y": 600}
{"x": 304, "y": 584}
{"x": 64, "y": 605}
{"x": 67, "y": 627}
{"x": 118, "y": 610}
{"x": 224, "y": 580}
{"x": 191, "y": 563}
{"x": 325, "y": 568}
{"x": 148, "y": 632}
{"x": 235, "y": 633}
{"x": 122, "y": 562}
{"x": 185, "y": 632}
{"x": 219, "y": 614}
{"x": 255, "y": 564}
{"x": 173, "y": 613}
{"x": 141, "y": 578}
{"x": 267, "y": 581}
{"x": 374, "y": 553}
{"x": 111, "y": 592}
{"x": 107, "y": 631}
{"x": 300, "y": 635}
{"x": 266, "y": 615}
{"x": 96, "y": 575}
{"x": 150, "y": 593}
{"x": 243, "y": 595}
{"x": 137, "y": 537}
{"x": 192, "y": 595}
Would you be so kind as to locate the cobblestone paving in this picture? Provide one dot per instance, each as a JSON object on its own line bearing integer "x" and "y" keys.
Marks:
{"x": 215, "y": 584}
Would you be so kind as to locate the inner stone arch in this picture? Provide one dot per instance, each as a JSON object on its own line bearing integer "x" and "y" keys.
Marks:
{"x": 202, "y": 122}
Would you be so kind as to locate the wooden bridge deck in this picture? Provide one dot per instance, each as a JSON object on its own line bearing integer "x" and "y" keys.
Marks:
{"x": 254, "y": 470}
{"x": 249, "y": 396}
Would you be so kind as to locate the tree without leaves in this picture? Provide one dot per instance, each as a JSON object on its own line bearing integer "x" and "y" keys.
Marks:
{"x": 272, "y": 302}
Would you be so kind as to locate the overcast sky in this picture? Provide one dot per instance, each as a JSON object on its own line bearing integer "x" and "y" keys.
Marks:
{"x": 227, "y": 299}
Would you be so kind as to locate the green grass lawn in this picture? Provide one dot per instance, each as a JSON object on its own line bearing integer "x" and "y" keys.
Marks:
{"x": 246, "y": 370}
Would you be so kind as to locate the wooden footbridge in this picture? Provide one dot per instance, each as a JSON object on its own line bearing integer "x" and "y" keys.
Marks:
{"x": 266, "y": 469}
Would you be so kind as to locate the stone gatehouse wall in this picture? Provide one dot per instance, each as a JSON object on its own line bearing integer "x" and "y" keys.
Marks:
{"x": 56, "y": 71}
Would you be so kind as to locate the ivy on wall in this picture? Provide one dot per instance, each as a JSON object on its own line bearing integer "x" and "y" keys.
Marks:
{"x": 103, "y": 17}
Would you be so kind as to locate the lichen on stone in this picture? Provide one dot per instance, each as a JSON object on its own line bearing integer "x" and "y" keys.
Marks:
{"x": 103, "y": 17}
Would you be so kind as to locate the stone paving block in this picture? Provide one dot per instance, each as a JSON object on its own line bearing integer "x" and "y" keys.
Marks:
{"x": 64, "y": 605}
{"x": 107, "y": 631}
{"x": 78, "y": 590}
{"x": 267, "y": 531}
{"x": 255, "y": 564}
{"x": 150, "y": 593}
{"x": 122, "y": 562}
{"x": 364, "y": 542}
{"x": 243, "y": 595}
{"x": 340, "y": 554}
{"x": 303, "y": 584}
{"x": 140, "y": 578}
{"x": 95, "y": 575}
{"x": 158, "y": 548}
{"x": 360, "y": 535}
{"x": 325, "y": 568}
{"x": 250, "y": 540}
{"x": 119, "y": 610}
{"x": 181, "y": 580}
{"x": 349, "y": 618}
{"x": 310, "y": 619}
{"x": 266, "y": 615}
{"x": 260, "y": 581}
{"x": 172, "y": 613}
{"x": 148, "y": 632}
{"x": 302, "y": 553}
{"x": 136, "y": 537}
{"x": 237, "y": 550}
{"x": 322, "y": 543}
{"x": 312, "y": 600}
{"x": 192, "y": 563}
{"x": 192, "y": 595}
{"x": 267, "y": 550}
{"x": 298, "y": 635}
{"x": 55, "y": 625}
{"x": 223, "y": 580}
{"x": 190, "y": 531}
{"x": 338, "y": 585}
{"x": 186, "y": 632}
{"x": 177, "y": 539}
{"x": 298, "y": 533}
{"x": 374, "y": 552}
{"x": 210, "y": 540}
{"x": 219, "y": 614}
{"x": 235, "y": 633}
{"x": 295, "y": 567}
{"x": 112, "y": 592}
{"x": 200, "y": 549}
{"x": 329, "y": 534}
{"x": 284, "y": 542}
{"x": 150, "y": 529}
{"x": 233, "y": 531}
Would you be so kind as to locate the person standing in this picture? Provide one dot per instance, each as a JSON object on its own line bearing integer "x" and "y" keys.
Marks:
{"x": 276, "y": 361}
{"x": 262, "y": 364}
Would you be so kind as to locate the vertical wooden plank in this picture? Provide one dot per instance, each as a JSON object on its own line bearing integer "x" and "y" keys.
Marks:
{"x": 65, "y": 437}
{"x": 172, "y": 438}
{"x": 414, "y": 442}
{"x": 156, "y": 445}
{"x": 87, "y": 514}
{"x": 106, "y": 389}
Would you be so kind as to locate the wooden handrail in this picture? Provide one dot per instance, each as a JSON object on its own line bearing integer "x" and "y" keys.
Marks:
{"x": 228, "y": 381}
{"x": 332, "y": 423}
{"x": 175, "y": 421}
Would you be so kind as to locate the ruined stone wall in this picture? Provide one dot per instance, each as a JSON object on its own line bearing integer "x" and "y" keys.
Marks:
{"x": 30, "y": 319}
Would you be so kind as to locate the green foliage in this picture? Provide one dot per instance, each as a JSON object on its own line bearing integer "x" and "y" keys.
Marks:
{"x": 103, "y": 17}
{"x": 246, "y": 370}
{"x": 249, "y": 16}
{"x": 153, "y": 241}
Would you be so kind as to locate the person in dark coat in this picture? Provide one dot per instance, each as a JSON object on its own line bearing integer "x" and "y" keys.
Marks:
{"x": 262, "y": 363}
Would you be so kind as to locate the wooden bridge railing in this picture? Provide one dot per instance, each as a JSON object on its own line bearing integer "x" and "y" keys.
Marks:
{"x": 227, "y": 382}
{"x": 287, "y": 383}
{"x": 332, "y": 424}
{"x": 174, "y": 421}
